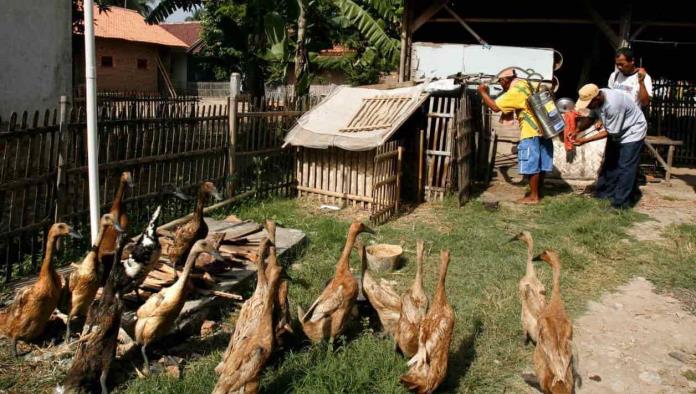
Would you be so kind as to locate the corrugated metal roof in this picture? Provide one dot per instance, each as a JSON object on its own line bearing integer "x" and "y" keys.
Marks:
{"x": 355, "y": 118}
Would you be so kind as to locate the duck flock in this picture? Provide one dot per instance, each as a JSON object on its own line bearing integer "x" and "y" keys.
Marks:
{"x": 421, "y": 327}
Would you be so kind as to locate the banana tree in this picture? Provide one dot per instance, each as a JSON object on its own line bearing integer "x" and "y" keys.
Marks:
{"x": 263, "y": 35}
{"x": 375, "y": 30}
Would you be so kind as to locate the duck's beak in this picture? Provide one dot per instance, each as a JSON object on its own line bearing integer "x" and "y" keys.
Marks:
{"x": 117, "y": 227}
{"x": 180, "y": 195}
{"x": 74, "y": 234}
{"x": 513, "y": 239}
{"x": 537, "y": 258}
{"x": 130, "y": 182}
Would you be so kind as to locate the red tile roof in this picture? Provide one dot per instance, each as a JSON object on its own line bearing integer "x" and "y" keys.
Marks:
{"x": 188, "y": 32}
{"x": 337, "y": 50}
{"x": 123, "y": 24}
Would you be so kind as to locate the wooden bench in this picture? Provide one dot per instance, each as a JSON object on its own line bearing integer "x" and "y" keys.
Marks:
{"x": 654, "y": 141}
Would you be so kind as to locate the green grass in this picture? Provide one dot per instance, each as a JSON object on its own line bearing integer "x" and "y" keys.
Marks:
{"x": 487, "y": 352}
{"x": 690, "y": 374}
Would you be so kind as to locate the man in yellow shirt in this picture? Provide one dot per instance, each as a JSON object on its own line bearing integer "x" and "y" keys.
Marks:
{"x": 534, "y": 153}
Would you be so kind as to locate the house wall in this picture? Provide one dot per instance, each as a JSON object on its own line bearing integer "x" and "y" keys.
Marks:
{"x": 125, "y": 74}
{"x": 35, "y": 54}
{"x": 179, "y": 69}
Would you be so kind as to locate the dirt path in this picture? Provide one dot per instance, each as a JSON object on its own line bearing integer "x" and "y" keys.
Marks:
{"x": 666, "y": 204}
{"x": 636, "y": 341}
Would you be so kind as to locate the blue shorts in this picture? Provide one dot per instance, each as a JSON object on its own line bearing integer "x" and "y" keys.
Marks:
{"x": 535, "y": 155}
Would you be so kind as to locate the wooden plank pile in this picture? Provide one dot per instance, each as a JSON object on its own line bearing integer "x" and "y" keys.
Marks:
{"x": 236, "y": 240}
{"x": 212, "y": 281}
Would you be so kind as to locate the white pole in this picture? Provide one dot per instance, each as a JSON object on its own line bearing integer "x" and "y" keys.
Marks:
{"x": 92, "y": 143}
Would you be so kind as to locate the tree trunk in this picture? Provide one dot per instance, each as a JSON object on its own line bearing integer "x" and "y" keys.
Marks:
{"x": 256, "y": 82}
{"x": 301, "y": 58}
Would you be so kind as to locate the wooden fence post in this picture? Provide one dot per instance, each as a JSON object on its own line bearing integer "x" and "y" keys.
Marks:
{"x": 235, "y": 80}
{"x": 62, "y": 157}
{"x": 399, "y": 158}
{"x": 421, "y": 164}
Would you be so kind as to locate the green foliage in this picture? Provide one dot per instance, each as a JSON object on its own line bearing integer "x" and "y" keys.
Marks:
{"x": 373, "y": 30}
{"x": 258, "y": 38}
{"x": 167, "y": 7}
{"x": 225, "y": 43}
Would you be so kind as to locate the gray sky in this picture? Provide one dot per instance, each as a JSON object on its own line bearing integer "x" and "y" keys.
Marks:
{"x": 178, "y": 16}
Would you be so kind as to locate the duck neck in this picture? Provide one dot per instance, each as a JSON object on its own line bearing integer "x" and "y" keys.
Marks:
{"x": 272, "y": 257}
{"x": 111, "y": 282}
{"x": 440, "y": 295}
{"x": 530, "y": 256}
{"x": 419, "y": 272}
{"x": 95, "y": 247}
{"x": 261, "y": 262}
{"x": 344, "y": 260}
{"x": 100, "y": 237}
{"x": 556, "y": 290}
{"x": 363, "y": 262}
{"x": 118, "y": 198}
{"x": 152, "y": 225}
{"x": 273, "y": 284}
{"x": 181, "y": 281}
{"x": 200, "y": 204}
{"x": 47, "y": 264}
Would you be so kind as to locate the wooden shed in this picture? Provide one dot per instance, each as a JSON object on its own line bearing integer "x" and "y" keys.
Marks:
{"x": 373, "y": 148}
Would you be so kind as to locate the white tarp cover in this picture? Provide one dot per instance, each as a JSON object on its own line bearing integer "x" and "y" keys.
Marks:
{"x": 431, "y": 60}
{"x": 321, "y": 126}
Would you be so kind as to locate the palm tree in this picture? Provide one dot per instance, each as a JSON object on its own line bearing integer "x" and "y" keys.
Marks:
{"x": 167, "y": 7}
{"x": 375, "y": 30}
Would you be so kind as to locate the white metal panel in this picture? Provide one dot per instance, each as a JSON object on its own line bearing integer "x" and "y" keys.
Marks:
{"x": 436, "y": 60}
{"x": 442, "y": 60}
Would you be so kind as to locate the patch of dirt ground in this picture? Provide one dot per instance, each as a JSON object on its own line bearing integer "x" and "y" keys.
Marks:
{"x": 636, "y": 341}
{"x": 666, "y": 204}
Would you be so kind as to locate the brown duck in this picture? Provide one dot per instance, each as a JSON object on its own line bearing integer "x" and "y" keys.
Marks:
{"x": 97, "y": 348}
{"x": 553, "y": 355}
{"x": 281, "y": 310}
{"x": 428, "y": 367}
{"x": 414, "y": 306}
{"x": 249, "y": 351}
{"x": 196, "y": 229}
{"x": 250, "y": 313}
{"x": 327, "y": 316}
{"x": 26, "y": 318}
{"x": 157, "y": 315}
{"x": 118, "y": 211}
{"x": 383, "y": 299}
{"x": 531, "y": 291}
{"x": 84, "y": 279}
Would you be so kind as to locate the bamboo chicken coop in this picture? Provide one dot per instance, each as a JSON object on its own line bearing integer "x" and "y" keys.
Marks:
{"x": 373, "y": 147}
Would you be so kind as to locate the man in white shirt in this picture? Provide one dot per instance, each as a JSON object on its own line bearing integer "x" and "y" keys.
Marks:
{"x": 630, "y": 79}
{"x": 625, "y": 125}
